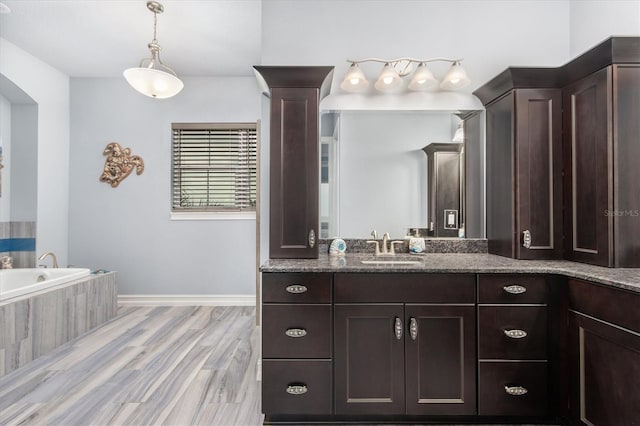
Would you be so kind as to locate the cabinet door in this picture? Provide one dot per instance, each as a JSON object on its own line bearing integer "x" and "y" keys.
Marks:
{"x": 538, "y": 125}
{"x": 440, "y": 360}
{"x": 588, "y": 163}
{"x": 294, "y": 173}
{"x": 369, "y": 359}
{"x": 605, "y": 373}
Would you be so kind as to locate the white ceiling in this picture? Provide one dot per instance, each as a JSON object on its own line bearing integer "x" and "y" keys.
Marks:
{"x": 100, "y": 38}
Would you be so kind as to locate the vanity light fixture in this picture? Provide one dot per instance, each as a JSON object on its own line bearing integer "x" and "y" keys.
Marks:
{"x": 153, "y": 78}
{"x": 390, "y": 78}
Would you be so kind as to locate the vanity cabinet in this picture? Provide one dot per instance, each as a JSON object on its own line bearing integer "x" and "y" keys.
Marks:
{"x": 297, "y": 344}
{"x": 602, "y": 203}
{"x": 604, "y": 355}
{"x": 524, "y": 173}
{"x": 293, "y": 144}
{"x": 512, "y": 345}
{"x": 404, "y": 344}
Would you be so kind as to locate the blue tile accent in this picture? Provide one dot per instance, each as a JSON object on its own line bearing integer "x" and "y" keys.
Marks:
{"x": 17, "y": 244}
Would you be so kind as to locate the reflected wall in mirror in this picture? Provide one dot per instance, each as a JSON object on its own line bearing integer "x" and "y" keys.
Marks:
{"x": 374, "y": 172}
{"x": 18, "y": 201}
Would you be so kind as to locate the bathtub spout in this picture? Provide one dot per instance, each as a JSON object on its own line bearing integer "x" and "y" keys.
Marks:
{"x": 53, "y": 256}
{"x": 6, "y": 262}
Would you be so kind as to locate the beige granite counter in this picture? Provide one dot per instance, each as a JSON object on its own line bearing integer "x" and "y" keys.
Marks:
{"x": 625, "y": 278}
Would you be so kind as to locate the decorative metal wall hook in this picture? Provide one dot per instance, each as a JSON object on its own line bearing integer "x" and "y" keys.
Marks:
{"x": 119, "y": 164}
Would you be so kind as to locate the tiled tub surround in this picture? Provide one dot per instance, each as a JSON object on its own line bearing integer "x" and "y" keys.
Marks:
{"x": 34, "y": 324}
{"x": 625, "y": 278}
{"x": 18, "y": 240}
{"x": 432, "y": 245}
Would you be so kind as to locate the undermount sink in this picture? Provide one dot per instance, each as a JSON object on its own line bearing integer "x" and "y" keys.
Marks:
{"x": 391, "y": 262}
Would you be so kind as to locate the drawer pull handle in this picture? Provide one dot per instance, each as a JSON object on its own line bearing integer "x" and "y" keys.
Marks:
{"x": 514, "y": 289}
{"x": 413, "y": 329}
{"x": 295, "y": 389}
{"x": 296, "y": 332}
{"x": 398, "y": 328}
{"x": 515, "y": 390}
{"x": 296, "y": 288}
{"x": 515, "y": 334}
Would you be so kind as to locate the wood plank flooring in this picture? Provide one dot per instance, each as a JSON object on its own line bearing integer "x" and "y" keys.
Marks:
{"x": 148, "y": 366}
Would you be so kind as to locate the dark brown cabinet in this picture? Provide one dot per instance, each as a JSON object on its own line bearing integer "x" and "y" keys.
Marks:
{"x": 512, "y": 345}
{"x": 524, "y": 174}
{"x": 602, "y": 203}
{"x": 294, "y": 179}
{"x": 443, "y": 182}
{"x": 604, "y": 355}
{"x": 399, "y": 358}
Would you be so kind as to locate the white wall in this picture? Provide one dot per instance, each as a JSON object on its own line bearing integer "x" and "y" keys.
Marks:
{"x": 5, "y": 143}
{"x": 593, "y": 21}
{"x": 24, "y": 160}
{"x": 49, "y": 88}
{"x": 128, "y": 228}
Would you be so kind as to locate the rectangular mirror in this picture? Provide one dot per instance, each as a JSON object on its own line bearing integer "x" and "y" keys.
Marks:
{"x": 374, "y": 174}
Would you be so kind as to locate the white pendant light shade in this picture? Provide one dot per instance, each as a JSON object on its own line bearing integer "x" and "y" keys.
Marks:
{"x": 354, "y": 80}
{"x": 153, "y": 83}
{"x": 153, "y": 78}
{"x": 456, "y": 78}
{"x": 422, "y": 79}
{"x": 389, "y": 80}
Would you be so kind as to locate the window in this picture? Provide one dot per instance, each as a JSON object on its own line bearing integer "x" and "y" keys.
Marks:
{"x": 214, "y": 167}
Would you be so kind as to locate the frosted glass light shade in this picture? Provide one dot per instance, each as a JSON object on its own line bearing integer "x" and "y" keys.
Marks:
{"x": 153, "y": 83}
{"x": 389, "y": 80}
{"x": 422, "y": 79}
{"x": 354, "y": 80}
{"x": 456, "y": 78}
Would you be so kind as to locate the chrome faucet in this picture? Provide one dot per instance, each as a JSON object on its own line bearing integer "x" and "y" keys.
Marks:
{"x": 53, "y": 256}
{"x": 374, "y": 234}
{"x": 385, "y": 240}
{"x": 6, "y": 262}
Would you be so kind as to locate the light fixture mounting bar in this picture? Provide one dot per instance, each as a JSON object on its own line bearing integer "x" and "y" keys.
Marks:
{"x": 391, "y": 61}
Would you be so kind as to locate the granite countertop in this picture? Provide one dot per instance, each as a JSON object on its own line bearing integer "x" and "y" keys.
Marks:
{"x": 625, "y": 278}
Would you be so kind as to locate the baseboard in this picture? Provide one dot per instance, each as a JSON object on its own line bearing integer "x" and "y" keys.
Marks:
{"x": 186, "y": 299}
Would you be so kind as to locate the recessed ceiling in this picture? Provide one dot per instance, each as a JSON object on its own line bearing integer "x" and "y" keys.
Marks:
{"x": 97, "y": 38}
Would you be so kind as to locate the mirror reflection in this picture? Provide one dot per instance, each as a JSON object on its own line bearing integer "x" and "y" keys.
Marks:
{"x": 401, "y": 172}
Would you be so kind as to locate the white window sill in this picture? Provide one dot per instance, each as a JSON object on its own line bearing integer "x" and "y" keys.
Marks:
{"x": 213, "y": 215}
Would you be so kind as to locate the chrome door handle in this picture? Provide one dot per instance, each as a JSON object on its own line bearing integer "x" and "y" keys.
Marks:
{"x": 526, "y": 239}
{"x": 515, "y": 334}
{"x": 514, "y": 289}
{"x": 312, "y": 238}
{"x": 398, "y": 328}
{"x": 297, "y": 389}
{"x": 413, "y": 328}
{"x": 296, "y": 289}
{"x": 515, "y": 390}
{"x": 296, "y": 332}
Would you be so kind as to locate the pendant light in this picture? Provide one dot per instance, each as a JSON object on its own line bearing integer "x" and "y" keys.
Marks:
{"x": 153, "y": 78}
{"x": 422, "y": 79}
{"x": 354, "y": 80}
{"x": 389, "y": 79}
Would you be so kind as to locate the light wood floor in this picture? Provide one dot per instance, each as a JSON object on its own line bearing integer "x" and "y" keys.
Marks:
{"x": 150, "y": 365}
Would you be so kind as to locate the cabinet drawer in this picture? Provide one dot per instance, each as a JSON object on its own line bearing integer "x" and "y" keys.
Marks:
{"x": 512, "y": 288}
{"x": 296, "y": 387}
{"x": 400, "y": 288}
{"x": 500, "y": 332}
{"x": 296, "y": 331}
{"x": 497, "y": 382}
{"x": 296, "y": 288}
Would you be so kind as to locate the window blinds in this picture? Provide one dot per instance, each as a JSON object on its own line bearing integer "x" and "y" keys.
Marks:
{"x": 214, "y": 167}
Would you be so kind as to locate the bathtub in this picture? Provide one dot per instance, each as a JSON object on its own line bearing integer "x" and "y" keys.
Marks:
{"x": 21, "y": 281}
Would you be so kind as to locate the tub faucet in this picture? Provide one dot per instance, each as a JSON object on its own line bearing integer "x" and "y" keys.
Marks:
{"x": 6, "y": 262}
{"x": 53, "y": 256}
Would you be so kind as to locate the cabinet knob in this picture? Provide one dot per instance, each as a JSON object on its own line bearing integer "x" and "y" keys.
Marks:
{"x": 514, "y": 289}
{"x": 398, "y": 328}
{"x": 296, "y": 288}
{"x": 515, "y": 390}
{"x": 413, "y": 328}
{"x": 296, "y": 332}
{"x": 297, "y": 389}
{"x": 515, "y": 334}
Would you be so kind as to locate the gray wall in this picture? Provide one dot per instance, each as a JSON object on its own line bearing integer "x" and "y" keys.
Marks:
{"x": 24, "y": 159}
{"x": 128, "y": 228}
